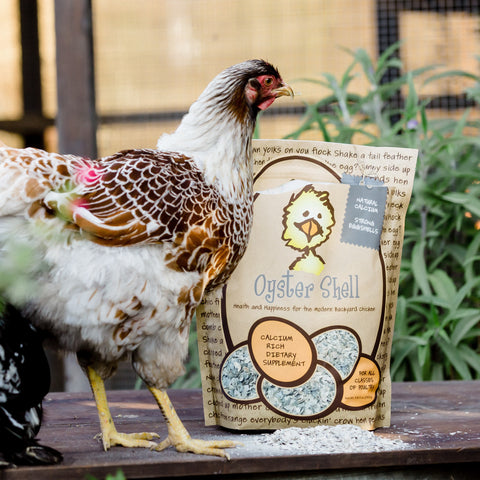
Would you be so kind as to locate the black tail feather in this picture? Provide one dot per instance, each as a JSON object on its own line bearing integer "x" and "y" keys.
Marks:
{"x": 34, "y": 454}
{"x": 22, "y": 391}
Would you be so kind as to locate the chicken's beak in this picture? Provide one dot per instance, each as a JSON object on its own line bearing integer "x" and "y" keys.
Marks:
{"x": 284, "y": 90}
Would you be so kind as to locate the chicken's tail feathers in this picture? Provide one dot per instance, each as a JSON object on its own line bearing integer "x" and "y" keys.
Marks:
{"x": 27, "y": 175}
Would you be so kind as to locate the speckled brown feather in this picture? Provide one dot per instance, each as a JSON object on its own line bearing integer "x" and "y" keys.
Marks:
{"x": 137, "y": 197}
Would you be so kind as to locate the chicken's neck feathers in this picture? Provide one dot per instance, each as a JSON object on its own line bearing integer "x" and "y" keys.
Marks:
{"x": 219, "y": 142}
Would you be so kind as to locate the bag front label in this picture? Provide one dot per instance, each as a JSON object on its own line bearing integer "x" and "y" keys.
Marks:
{"x": 301, "y": 333}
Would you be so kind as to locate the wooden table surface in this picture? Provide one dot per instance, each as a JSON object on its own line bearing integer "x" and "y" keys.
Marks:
{"x": 439, "y": 420}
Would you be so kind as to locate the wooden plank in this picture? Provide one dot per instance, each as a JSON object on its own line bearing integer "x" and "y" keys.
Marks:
{"x": 76, "y": 118}
{"x": 440, "y": 421}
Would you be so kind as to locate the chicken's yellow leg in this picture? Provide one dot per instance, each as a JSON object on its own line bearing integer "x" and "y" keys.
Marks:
{"x": 110, "y": 436}
{"x": 178, "y": 435}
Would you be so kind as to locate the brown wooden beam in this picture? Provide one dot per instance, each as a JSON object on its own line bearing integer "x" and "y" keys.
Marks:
{"x": 31, "y": 77}
{"x": 76, "y": 117}
{"x": 28, "y": 125}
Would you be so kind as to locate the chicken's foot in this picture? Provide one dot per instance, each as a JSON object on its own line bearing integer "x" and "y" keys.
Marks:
{"x": 109, "y": 434}
{"x": 178, "y": 435}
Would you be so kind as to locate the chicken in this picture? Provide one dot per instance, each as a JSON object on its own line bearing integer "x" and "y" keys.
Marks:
{"x": 24, "y": 381}
{"x": 132, "y": 241}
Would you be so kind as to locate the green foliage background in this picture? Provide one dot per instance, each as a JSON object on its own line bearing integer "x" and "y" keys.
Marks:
{"x": 437, "y": 327}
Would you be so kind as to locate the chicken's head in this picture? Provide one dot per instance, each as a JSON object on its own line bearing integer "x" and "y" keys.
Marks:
{"x": 261, "y": 90}
{"x": 249, "y": 86}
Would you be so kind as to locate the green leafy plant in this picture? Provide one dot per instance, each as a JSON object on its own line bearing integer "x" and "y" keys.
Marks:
{"x": 117, "y": 476}
{"x": 18, "y": 265}
{"x": 192, "y": 378}
{"x": 438, "y": 314}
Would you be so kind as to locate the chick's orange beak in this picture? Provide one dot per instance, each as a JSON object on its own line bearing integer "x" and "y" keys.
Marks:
{"x": 284, "y": 90}
{"x": 309, "y": 227}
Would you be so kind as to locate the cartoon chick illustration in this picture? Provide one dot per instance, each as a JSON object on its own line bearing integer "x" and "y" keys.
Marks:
{"x": 308, "y": 220}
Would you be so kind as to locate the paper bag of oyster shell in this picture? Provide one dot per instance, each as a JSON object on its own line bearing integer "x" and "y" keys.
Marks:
{"x": 301, "y": 334}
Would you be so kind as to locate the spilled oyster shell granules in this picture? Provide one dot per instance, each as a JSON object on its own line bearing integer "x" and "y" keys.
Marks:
{"x": 321, "y": 440}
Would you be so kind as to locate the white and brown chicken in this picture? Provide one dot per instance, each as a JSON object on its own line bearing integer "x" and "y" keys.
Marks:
{"x": 132, "y": 241}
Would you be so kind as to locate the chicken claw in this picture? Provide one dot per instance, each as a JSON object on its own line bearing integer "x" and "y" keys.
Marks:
{"x": 178, "y": 435}
{"x": 110, "y": 437}
{"x": 205, "y": 447}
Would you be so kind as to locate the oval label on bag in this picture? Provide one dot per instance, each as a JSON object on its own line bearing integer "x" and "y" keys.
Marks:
{"x": 281, "y": 351}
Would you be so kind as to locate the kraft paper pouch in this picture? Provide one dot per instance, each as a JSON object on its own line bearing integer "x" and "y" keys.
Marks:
{"x": 301, "y": 334}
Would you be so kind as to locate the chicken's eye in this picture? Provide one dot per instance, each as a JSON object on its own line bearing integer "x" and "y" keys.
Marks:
{"x": 268, "y": 81}
{"x": 319, "y": 215}
{"x": 306, "y": 213}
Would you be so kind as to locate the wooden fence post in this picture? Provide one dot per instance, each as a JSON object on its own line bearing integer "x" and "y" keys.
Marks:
{"x": 76, "y": 121}
{"x": 76, "y": 117}
{"x": 31, "y": 80}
